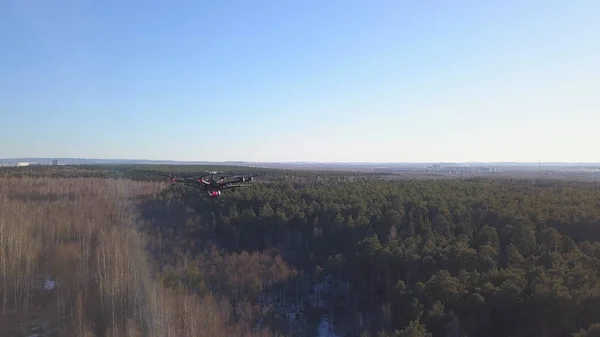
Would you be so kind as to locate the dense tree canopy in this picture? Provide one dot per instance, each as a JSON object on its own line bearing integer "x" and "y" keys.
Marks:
{"x": 484, "y": 257}
{"x": 377, "y": 256}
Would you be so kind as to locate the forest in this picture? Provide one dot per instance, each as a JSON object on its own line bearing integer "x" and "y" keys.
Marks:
{"x": 111, "y": 251}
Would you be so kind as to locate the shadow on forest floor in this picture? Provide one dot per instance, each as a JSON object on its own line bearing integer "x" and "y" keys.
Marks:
{"x": 186, "y": 224}
{"x": 579, "y": 232}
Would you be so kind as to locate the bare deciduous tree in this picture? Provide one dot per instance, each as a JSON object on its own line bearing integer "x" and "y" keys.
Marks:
{"x": 79, "y": 235}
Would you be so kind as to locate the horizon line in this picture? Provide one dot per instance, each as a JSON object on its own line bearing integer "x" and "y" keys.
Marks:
{"x": 303, "y": 161}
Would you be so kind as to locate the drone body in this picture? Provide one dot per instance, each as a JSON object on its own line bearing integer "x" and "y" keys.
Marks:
{"x": 213, "y": 186}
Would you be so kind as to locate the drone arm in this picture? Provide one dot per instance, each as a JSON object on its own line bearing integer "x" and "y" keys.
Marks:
{"x": 200, "y": 187}
{"x": 232, "y": 186}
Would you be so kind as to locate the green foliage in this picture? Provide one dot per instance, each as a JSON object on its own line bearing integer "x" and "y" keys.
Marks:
{"x": 414, "y": 329}
{"x": 480, "y": 257}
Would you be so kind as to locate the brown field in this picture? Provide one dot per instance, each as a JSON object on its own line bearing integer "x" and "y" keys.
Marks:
{"x": 82, "y": 234}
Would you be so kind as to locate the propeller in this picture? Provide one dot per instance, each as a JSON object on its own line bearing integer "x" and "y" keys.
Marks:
{"x": 251, "y": 176}
{"x": 173, "y": 178}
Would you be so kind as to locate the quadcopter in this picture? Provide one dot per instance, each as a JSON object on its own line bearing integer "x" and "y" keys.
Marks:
{"x": 211, "y": 185}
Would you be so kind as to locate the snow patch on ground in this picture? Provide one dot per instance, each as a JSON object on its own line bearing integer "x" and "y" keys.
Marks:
{"x": 49, "y": 283}
{"x": 326, "y": 328}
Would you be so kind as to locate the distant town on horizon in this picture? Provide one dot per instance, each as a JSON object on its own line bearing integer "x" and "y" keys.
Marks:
{"x": 93, "y": 161}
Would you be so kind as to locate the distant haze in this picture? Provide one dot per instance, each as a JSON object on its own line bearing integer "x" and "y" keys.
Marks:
{"x": 326, "y": 81}
{"x": 296, "y": 164}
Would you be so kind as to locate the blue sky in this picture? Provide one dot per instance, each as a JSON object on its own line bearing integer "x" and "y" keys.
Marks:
{"x": 392, "y": 81}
